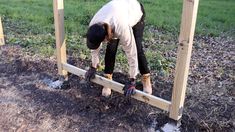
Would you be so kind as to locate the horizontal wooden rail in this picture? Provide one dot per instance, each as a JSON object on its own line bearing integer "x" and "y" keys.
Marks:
{"x": 141, "y": 96}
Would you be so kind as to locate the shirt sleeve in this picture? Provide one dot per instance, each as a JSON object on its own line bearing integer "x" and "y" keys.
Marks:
{"x": 127, "y": 40}
{"x": 95, "y": 57}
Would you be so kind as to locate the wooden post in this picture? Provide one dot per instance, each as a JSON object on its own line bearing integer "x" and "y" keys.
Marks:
{"x": 186, "y": 36}
{"x": 2, "y": 41}
{"x": 58, "y": 6}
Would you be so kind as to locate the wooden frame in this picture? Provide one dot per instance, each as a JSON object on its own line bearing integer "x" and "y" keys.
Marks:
{"x": 2, "y": 41}
{"x": 175, "y": 107}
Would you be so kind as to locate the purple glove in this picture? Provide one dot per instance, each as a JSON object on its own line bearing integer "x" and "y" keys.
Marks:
{"x": 129, "y": 88}
{"x": 90, "y": 74}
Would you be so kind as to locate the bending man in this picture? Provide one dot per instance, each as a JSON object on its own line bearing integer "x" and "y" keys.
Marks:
{"x": 119, "y": 21}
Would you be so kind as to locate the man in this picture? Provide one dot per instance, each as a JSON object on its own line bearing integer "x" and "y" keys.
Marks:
{"x": 119, "y": 21}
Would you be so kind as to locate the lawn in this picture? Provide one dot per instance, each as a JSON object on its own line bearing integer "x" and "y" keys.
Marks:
{"x": 215, "y": 16}
{"x": 30, "y": 23}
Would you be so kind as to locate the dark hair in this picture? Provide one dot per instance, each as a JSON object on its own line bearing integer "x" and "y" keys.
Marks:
{"x": 95, "y": 35}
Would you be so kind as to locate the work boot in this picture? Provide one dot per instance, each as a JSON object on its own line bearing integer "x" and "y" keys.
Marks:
{"x": 107, "y": 91}
{"x": 147, "y": 86}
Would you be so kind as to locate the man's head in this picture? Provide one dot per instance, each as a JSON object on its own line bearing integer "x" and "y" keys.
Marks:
{"x": 95, "y": 35}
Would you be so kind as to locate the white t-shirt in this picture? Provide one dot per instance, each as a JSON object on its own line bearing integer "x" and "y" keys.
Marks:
{"x": 121, "y": 15}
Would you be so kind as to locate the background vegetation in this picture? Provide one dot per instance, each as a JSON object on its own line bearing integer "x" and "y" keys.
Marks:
{"x": 215, "y": 16}
{"x": 29, "y": 23}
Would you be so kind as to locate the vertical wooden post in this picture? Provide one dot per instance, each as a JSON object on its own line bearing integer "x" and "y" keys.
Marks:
{"x": 58, "y": 6}
{"x": 2, "y": 41}
{"x": 186, "y": 36}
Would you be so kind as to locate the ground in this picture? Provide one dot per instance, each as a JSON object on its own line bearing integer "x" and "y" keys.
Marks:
{"x": 28, "y": 104}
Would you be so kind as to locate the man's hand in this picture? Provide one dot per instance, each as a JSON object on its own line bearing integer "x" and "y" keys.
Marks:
{"x": 90, "y": 74}
{"x": 129, "y": 88}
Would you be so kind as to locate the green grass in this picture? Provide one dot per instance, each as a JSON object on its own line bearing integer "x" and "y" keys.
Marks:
{"x": 30, "y": 23}
{"x": 214, "y": 17}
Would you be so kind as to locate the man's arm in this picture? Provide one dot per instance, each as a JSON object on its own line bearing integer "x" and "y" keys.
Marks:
{"x": 129, "y": 46}
{"x": 95, "y": 57}
{"x": 90, "y": 74}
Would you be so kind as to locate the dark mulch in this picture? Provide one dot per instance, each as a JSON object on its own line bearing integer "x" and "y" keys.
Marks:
{"x": 26, "y": 103}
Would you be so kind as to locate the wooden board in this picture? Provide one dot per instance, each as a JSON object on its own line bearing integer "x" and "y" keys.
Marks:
{"x": 58, "y": 6}
{"x": 141, "y": 96}
{"x": 188, "y": 23}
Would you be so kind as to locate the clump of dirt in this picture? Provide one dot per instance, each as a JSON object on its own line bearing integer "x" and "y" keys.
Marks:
{"x": 27, "y": 104}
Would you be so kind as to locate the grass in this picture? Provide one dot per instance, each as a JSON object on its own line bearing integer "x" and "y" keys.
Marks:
{"x": 214, "y": 17}
{"x": 30, "y": 23}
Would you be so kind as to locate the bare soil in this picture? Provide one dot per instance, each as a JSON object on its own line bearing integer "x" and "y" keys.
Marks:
{"x": 27, "y": 104}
